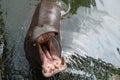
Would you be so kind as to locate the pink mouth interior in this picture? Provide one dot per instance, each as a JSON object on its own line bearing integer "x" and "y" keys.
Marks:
{"x": 51, "y": 54}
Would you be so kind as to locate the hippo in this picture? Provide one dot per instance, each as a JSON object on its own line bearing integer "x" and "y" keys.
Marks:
{"x": 42, "y": 43}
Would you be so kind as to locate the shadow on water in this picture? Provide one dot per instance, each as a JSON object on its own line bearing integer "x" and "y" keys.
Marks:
{"x": 85, "y": 57}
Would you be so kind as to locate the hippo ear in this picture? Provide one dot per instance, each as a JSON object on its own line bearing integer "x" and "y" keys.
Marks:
{"x": 62, "y": 60}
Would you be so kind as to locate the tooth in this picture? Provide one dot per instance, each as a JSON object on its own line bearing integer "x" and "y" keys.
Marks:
{"x": 34, "y": 44}
{"x": 48, "y": 67}
{"x": 52, "y": 67}
{"x": 44, "y": 70}
{"x": 42, "y": 67}
{"x": 56, "y": 66}
{"x": 62, "y": 60}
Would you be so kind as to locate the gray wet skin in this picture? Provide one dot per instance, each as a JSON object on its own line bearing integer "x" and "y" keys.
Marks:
{"x": 40, "y": 46}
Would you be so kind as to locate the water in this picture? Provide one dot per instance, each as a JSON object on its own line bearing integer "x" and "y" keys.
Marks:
{"x": 90, "y": 40}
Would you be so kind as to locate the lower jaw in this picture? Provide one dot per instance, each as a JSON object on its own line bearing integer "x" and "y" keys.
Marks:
{"x": 55, "y": 70}
{"x": 55, "y": 63}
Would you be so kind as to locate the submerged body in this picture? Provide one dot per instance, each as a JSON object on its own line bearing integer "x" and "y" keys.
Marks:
{"x": 42, "y": 41}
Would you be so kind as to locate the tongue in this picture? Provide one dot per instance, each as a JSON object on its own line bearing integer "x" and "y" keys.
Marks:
{"x": 48, "y": 55}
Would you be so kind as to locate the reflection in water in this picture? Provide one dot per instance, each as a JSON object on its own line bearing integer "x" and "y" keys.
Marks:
{"x": 90, "y": 40}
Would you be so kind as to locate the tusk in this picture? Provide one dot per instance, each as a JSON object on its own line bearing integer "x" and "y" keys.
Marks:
{"x": 62, "y": 60}
{"x": 34, "y": 44}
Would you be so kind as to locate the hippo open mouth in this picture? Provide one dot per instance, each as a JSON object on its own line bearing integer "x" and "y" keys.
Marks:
{"x": 42, "y": 41}
{"x": 49, "y": 51}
